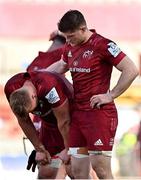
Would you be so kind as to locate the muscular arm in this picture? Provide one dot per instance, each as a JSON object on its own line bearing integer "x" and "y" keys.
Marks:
{"x": 30, "y": 132}
{"x": 128, "y": 73}
{"x": 63, "y": 120}
{"x": 42, "y": 155}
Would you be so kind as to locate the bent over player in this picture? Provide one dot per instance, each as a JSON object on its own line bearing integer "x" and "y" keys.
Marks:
{"x": 43, "y": 94}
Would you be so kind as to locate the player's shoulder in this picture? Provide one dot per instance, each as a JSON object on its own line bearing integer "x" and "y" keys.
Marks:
{"x": 99, "y": 40}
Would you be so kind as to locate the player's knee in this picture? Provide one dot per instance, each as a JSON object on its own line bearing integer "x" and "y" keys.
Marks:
{"x": 79, "y": 172}
{"x": 47, "y": 173}
{"x": 101, "y": 172}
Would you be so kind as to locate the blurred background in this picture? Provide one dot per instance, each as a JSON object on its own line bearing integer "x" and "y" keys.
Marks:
{"x": 25, "y": 26}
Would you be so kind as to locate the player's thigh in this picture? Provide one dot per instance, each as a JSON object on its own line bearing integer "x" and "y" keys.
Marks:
{"x": 80, "y": 162}
{"x": 100, "y": 162}
{"x": 99, "y": 129}
{"x": 51, "y": 138}
{"x": 80, "y": 166}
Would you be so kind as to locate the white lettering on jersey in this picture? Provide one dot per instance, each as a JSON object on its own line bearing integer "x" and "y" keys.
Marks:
{"x": 75, "y": 69}
{"x": 113, "y": 49}
{"x": 52, "y": 96}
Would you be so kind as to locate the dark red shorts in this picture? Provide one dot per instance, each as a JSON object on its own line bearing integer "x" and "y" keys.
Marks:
{"x": 93, "y": 129}
{"x": 51, "y": 138}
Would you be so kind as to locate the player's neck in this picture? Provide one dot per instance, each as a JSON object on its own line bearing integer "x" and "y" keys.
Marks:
{"x": 88, "y": 35}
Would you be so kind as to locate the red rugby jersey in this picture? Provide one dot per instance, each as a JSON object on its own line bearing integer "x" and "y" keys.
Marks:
{"x": 91, "y": 66}
{"x": 52, "y": 90}
{"x": 45, "y": 59}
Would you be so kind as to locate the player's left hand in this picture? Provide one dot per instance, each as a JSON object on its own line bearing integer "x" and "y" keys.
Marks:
{"x": 100, "y": 99}
{"x": 63, "y": 155}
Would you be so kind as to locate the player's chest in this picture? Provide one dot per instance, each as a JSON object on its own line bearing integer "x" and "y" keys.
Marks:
{"x": 87, "y": 58}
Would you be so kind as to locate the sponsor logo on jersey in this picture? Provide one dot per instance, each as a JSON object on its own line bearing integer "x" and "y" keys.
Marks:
{"x": 113, "y": 49}
{"x": 98, "y": 143}
{"x": 87, "y": 54}
{"x": 52, "y": 96}
{"x": 75, "y": 69}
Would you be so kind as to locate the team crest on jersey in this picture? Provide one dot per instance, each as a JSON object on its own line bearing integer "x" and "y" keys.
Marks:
{"x": 52, "y": 96}
{"x": 69, "y": 54}
{"x": 88, "y": 54}
{"x": 113, "y": 49}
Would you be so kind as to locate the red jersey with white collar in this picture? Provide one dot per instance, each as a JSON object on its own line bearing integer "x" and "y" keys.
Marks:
{"x": 91, "y": 66}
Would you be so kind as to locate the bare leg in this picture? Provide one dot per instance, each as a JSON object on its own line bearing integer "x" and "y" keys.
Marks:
{"x": 80, "y": 167}
{"x": 102, "y": 166}
{"x": 93, "y": 174}
{"x": 46, "y": 172}
{"x": 61, "y": 172}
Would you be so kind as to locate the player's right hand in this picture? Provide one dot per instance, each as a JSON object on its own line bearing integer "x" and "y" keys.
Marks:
{"x": 43, "y": 157}
{"x": 63, "y": 155}
{"x": 53, "y": 35}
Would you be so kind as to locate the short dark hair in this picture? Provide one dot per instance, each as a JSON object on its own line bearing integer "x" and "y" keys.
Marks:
{"x": 71, "y": 21}
{"x": 19, "y": 102}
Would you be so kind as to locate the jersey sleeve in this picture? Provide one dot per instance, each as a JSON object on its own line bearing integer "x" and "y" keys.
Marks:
{"x": 55, "y": 96}
{"x": 54, "y": 93}
{"x": 110, "y": 52}
{"x": 65, "y": 54}
{"x": 45, "y": 59}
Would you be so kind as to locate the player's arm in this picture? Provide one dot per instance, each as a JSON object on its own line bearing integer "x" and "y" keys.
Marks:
{"x": 58, "y": 67}
{"x": 128, "y": 73}
{"x": 63, "y": 119}
{"x": 31, "y": 133}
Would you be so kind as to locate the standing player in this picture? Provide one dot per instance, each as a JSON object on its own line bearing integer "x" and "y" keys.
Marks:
{"x": 43, "y": 94}
{"x": 90, "y": 58}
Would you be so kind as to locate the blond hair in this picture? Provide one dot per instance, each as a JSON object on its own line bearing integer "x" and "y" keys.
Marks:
{"x": 19, "y": 102}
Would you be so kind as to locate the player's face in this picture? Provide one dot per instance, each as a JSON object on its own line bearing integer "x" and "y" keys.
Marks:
{"x": 75, "y": 38}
